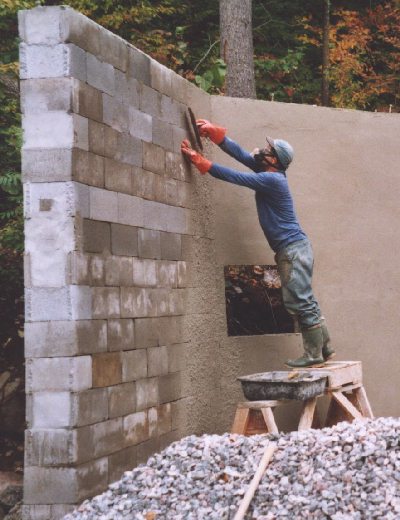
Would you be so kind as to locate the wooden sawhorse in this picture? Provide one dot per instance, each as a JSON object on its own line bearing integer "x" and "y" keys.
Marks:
{"x": 348, "y": 402}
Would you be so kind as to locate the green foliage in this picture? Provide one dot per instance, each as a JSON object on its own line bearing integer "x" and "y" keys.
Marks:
{"x": 213, "y": 79}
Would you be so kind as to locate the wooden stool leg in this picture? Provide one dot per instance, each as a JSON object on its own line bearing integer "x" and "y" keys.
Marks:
{"x": 363, "y": 402}
{"x": 241, "y": 421}
{"x": 346, "y": 405}
{"x": 307, "y": 414}
{"x": 269, "y": 419}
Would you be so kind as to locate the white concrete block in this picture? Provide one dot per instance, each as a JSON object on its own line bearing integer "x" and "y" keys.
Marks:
{"x": 81, "y": 302}
{"x": 49, "y": 200}
{"x": 51, "y": 409}
{"x": 130, "y": 210}
{"x": 48, "y": 164}
{"x": 140, "y": 124}
{"x": 48, "y": 130}
{"x": 43, "y": 61}
{"x": 59, "y": 374}
{"x": 43, "y": 95}
{"x": 103, "y": 204}
{"x": 44, "y": 304}
{"x": 138, "y": 302}
{"x": 154, "y": 215}
{"x": 41, "y": 25}
{"x": 100, "y": 75}
{"x": 144, "y": 273}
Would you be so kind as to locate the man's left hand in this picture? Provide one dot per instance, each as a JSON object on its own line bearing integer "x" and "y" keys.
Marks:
{"x": 201, "y": 163}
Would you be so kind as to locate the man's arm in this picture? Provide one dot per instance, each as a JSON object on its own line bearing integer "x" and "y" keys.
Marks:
{"x": 234, "y": 150}
{"x": 255, "y": 181}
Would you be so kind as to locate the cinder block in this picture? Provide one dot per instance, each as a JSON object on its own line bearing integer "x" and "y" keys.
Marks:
{"x": 167, "y": 274}
{"x": 121, "y": 335}
{"x": 179, "y": 87}
{"x": 41, "y": 25}
{"x": 176, "y": 167}
{"x": 137, "y": 303}
{"x": 64, "y": 338}
{"x": 171, "y": 190}
{"x": 152, "y": 417}
{"x": 171, "y": 330}
{"x": 183, "y": 274}
{"x": 155, "y": 215}
{"x": 153, "y": 158}
{"x": 176, "y": 357}
{"x": 128, "y": 150}
{"x": 146, "y": 449}
{"x": 178, "y": 135}
{"x": 164, "y": 419}
{"x": 81, "y": 200}
{"x": 106, "y": 302}
{"x": 150, "y": 101}
{"x": 120, "y": 462}
{"x": 126, "y": 271}
{"x": 134, "y": 365}
{"x": 80, "y": 297}
{"x": 37, "y": 512}
{"x": 97, "y": 270}
{"x": 121, "y": 86}
{"x": 44, "y": 61}
{"x": 184, "y": 194}
{"x": 107, "y": 369}
{"x": 171, "y": 111}
{"x": 134, "y": 89}
{"x": 81, "y": 132}
{"x": 114, "y": 50}
{"x": 144, "y": 273}
{"x": 100, "y": 75}
{"x": 144, "y": 184}
{"x": 179, "y": 220}
{"x": 130, "y": 210}
{"x": 163, "y": 134}
{"x": 50, "y": 485}
{"x": 136, "y": 428}
{"x": 122, "y": 400}
{"x": 47, "y": 304}
{"x": 138, "y": 65}
{"x": 80, "y": 163}
{"x": 100, "y": 439}
{"x": 96, "y": 236}
{"x": 89, "y": 407}
{"x": 92, "y": 170}
{"x": 115, "y": 113}
{"x": 96, "y": 137}
{"x": 43, "y": 95}
{"x": 82, "y": 31}
{"x": 170, "y": 387}
{"x": 157, "y": 361}
{"x": 149, "y": 243}
{"x": 48, "y": 130}
{"x": 140, "y": 124}
{"x": 48, "y": 447}
{"x": 179, "y": 413}
{"x": 112, "y": 268}
{"x": 147, "y": 332}
{"x": 45, "y": 260}
{"x": 46, "y": 165}
{"x": 124, "y": 240}
{"x": 92, "y": 478}
{"x": 161, "y": 78}
{"x": 51, "y": 410}
{"x": 171, "y": 246}
{"x": 146, "y": 393}
{"x": 103, "y": 205}
{"x": 110, "y": 142}
{"x": 88, "y": 101}
{"x": 160, "y": 192}
{"x": 58, "y": 374}
{"x": 118, "y": 176}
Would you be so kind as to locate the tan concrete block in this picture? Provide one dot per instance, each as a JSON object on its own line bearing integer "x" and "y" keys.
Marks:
{"x": 157, "y": 361}
{"x": 184, "y": 194}
{"x": 147, "y": 332}
{"x": 136, "y": 428}
{"x": 120, "y": 335}
{"x": 97, "y": 270}
{"x": 122, "y": 400}
{"x": 88, "y": 101}
{"x": 150, "y": 101}
{"x": 134, "y": 365}
{"x": 153, "y": 158}
{"x": 78, "y": 268}
{"x": 171, "y": 330}
{"x": 118, "y": 176}
{"x": 110, "y": 142}
{"x": 114, "y": 50}
{"x": 164, "y": 419}
{"x": 146, "y": 393}
{"x": 91, "y": 336}
{"x": 96, "y": 236}
{"x": 161, "y": 78}
{"x": 146, "y": 449}
{"x": 171, "y": 188}
{"x": 107, "y": 369}
{"x": 121, "y": 461}
{"x": 167, "y": 274}
{"x": 149, "y": 243}
{"x": 100, "y": 439}
{"x": 124, "y": 240}
{"x": 112, "y": 271}
{"x": 170, "y": 387}
{"x": 160, "y": 190}
{"x": 144, "y": 184}
{"x": 106, "y": 302}
{"x": 144, "y": 272}
{"x": 137, "y": 302}
{"x": 176, "y": 167}
{"x": 152, "y": 417}
{"x": 48, "y": 447}
{"x": 177, "y": 357}
{"x": 126, "y": 271}
{"x": 89, "y": 407}
{"x": 162, "y": 134}
{"x": 96, "y": 137}
{"x": 168, "y": 438}
{"x": 138, "y": 65}
{"x": 183, "y": 274}
{"x": 93, "y": 175}
{"x": 171, "y": 246}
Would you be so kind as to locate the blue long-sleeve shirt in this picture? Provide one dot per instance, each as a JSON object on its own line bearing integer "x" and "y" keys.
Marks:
{"x": 274, "y": 202}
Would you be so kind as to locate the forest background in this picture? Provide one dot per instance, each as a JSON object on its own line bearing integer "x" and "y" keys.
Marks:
{"x": 363, "y": 73}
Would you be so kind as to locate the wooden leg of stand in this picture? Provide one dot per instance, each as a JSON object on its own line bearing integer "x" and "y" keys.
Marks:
{"x": 307, "y": 414}
{"x": 346, "y": 405}
{"x": 241, "y": 421}
{"x": 269, "y": 419}
{"x": 363, "y": 402}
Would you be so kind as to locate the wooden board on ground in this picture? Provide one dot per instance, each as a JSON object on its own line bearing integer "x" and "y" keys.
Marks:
{"x": 341, "y": 372}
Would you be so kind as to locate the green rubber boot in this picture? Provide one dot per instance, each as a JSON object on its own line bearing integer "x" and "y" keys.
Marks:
{"x": 313, "y": 342}
{"x": 327, "y": 351}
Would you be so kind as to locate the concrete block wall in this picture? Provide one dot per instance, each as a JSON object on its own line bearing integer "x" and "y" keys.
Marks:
{"x": 113, "y": 218}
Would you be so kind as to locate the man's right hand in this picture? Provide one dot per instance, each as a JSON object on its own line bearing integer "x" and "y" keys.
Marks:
{"x": 213, "y": 132}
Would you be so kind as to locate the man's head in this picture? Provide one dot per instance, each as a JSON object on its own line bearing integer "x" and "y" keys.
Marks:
{"x": 277, "y": 154}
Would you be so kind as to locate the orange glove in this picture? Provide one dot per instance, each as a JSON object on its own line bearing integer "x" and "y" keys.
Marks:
{"x": 201, "y": 163}
{"x": 214, "y": 132}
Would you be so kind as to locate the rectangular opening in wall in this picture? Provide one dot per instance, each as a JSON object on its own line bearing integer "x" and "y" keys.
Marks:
{"x": 254, "y": 301}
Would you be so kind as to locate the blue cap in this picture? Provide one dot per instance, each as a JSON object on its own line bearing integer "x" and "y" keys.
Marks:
{"x": 284, "y": 151}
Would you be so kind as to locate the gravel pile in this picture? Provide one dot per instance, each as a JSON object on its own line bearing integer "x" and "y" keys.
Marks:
{"x": 349, "y": 471}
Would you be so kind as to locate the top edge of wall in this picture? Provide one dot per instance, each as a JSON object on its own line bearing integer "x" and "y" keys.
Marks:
{"x": 54, "y": 25}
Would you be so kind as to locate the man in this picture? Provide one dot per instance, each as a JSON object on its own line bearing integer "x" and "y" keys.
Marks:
{"x": 293, "y": 252}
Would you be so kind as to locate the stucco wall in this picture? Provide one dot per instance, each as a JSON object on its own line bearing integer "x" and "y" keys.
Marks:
{"x": 345, "y": 184}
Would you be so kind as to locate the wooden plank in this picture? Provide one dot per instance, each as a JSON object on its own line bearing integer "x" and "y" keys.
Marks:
{"x": 269, "y": 419}
{"x": 363, "y": 402}
{"x": 341, "y": 372}
{"x": 307, "y": 414}
{"x": 346, "y": 404}
{"x": 259, "y": 404}
{"x": 244, "y": 504}
{"x": 241, "y": 421}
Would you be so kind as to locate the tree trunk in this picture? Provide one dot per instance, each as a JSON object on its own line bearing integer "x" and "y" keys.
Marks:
{"x": 325, "y": 56}
{"x": 237, "y": 47}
